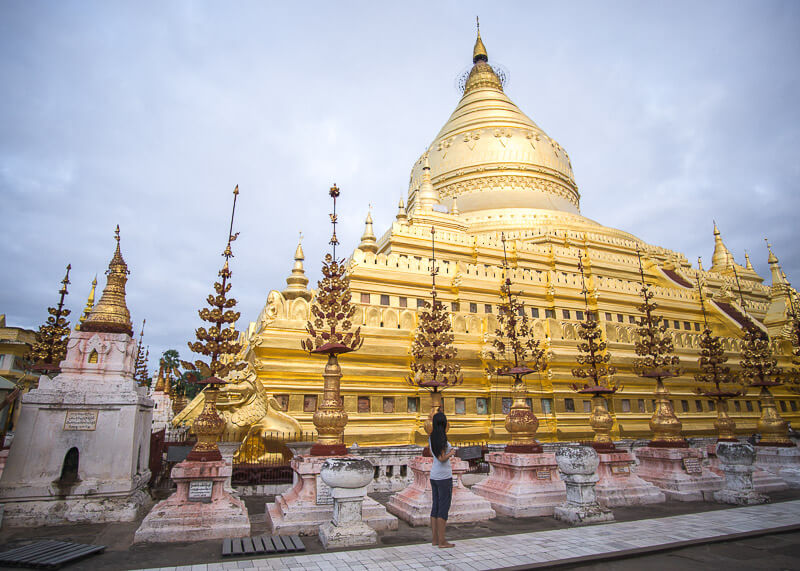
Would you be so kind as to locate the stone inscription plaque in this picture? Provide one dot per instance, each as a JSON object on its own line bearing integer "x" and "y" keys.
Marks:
{"x": 200, "y": 490}
{"x": 621, "y": 470}
{"x": 323, "y": 493}
{"x": 543, "y": 474}
{"x": 692, "y": 466}
{"x": 80, "y": 420}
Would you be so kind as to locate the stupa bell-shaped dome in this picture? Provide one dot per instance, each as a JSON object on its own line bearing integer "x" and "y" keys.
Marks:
{"x": 491, "y": 155}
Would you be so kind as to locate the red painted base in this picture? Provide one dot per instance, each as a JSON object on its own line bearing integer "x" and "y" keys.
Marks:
{"x": 214, "y": 456}
{"x": 328, "y": 450}
{"x": 523, "y": 448}
{"x": 668, "y": 444}
{"x": 605, "y": 447}
{"x": 426, "y": 452}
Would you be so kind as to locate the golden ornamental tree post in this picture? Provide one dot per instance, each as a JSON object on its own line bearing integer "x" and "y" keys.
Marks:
{"x": 433, "y": 354}
{"x": 331, "y": 334}
{"x": 50, "y": 346}
{"x": 593, "y": 365}
{"x": 515, "y": 353}
{"x": 217, "y": 342}
{"x": 760, "y": 369}
{"x": 716, "y": 380}
{"x": 656, "y": 361}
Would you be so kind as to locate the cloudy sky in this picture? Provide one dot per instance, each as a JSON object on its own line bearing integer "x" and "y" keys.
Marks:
{"x": 147, "y": 114}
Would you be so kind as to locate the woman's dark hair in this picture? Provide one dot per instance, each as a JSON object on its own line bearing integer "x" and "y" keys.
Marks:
{"x": 438, "y": 434}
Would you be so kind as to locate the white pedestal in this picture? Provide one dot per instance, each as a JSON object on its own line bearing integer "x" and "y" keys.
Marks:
{"x": 308, "y": 505}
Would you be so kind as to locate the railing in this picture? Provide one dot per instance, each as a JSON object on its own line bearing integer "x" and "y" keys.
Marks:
{"x": 265, "y": 461}
{"x": 476, "y": 465}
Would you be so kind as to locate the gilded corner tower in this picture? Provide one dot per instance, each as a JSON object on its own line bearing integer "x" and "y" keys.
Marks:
{"x": 492, "y": 170}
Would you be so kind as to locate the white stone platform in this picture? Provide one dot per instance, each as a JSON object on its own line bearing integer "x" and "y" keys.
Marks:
{"x": 413, "y": 504}
{"x": 620, "y": 485}
{"x": 678, "y": 472}
{"x": 308, "y": 505}
{"x": 522, "y": 485}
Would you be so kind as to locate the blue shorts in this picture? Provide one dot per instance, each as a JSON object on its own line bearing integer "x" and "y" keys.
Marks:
{"x": 442, "y": 494}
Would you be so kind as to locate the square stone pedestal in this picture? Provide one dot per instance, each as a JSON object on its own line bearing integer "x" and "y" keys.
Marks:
{"x": 413, "y": 504}
{"x": 678, "y": 472}
{"x": 200, "y": 509}
{"x": 347, "y": 529}
{"x": 522, "y": 485}
{"x": 309, "y": 504}
{"x": 763, "y": 482}
{"x": 619, "y": 485}
{"x": 782, "y": 461}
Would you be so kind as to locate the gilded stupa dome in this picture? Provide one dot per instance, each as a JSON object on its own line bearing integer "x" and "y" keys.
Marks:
{"x": 490, "y": 155}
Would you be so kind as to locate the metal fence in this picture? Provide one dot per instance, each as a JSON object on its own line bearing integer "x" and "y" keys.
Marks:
{"x": 266, "y": 460}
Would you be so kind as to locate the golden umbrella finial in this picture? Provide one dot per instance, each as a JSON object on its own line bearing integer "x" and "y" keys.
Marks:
{"x": 479, "y": 52}
{"x": 111, "y": 314}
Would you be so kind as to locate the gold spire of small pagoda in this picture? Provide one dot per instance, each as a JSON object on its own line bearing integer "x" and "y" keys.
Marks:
{"x": 427, "y": 196}
{"x": 722, "y": 258}
{"x": 775, "y": 267}
{"x": 700, "y": 263}
{"x": 402, "y": 216}
{"x": 748, "y": 264}
{"x": 89, "y": 305}
{"x": 479, "y": 51}
{"x": 111, "y": 314}
{"x": 368, "y": 241}
{"x": 454, "y": 209}
{"x": 297, "y": 282}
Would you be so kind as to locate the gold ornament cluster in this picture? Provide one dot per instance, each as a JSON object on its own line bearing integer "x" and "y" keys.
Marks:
{"x": 332, "y": 310}
{"x": 50, "y": 346}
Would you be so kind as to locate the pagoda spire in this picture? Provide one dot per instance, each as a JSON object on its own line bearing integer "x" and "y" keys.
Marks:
{"x": 427, "y": 196}
{"x": 297, "y": 282}
{"x": 722, "y": 258}
{"x": 368, "y": 241}
{"x": 479, "y": 51}
{"x": 402, "y": 216}
{"x": 748, "y": 263}
{"x": 775, "y": 268}
{"x": 89, "y": 305}
{"x": 700, "y": 263}
{"x": 111, "y": 314}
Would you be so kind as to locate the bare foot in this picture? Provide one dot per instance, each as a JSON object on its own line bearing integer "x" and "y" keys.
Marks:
{"x": 445, "y": 545}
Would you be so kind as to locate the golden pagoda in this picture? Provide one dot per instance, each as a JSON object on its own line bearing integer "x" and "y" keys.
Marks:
{"x": 491, "y": 170}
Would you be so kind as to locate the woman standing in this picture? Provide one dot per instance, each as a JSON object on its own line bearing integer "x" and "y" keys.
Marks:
{"x": 441, "y": 478}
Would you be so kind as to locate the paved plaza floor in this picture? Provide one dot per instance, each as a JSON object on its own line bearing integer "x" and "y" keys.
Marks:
{"x": 685, "y": 536}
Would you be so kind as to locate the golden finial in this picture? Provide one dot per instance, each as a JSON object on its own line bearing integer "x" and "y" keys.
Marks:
{"x": 479, "y": 52}
{"x": 773, "y": 259}
{"x": 111, "y": 314}
{"x": 89, "y": 305}
{"x": 700, "y": 263}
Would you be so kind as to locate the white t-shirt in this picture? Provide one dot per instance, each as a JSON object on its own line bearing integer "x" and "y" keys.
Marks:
{"x": 441, "y": 470}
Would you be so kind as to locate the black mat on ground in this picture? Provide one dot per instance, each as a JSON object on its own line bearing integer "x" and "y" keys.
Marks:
{"x": 263, "y": 544}
{"x": 48, "y": 554}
